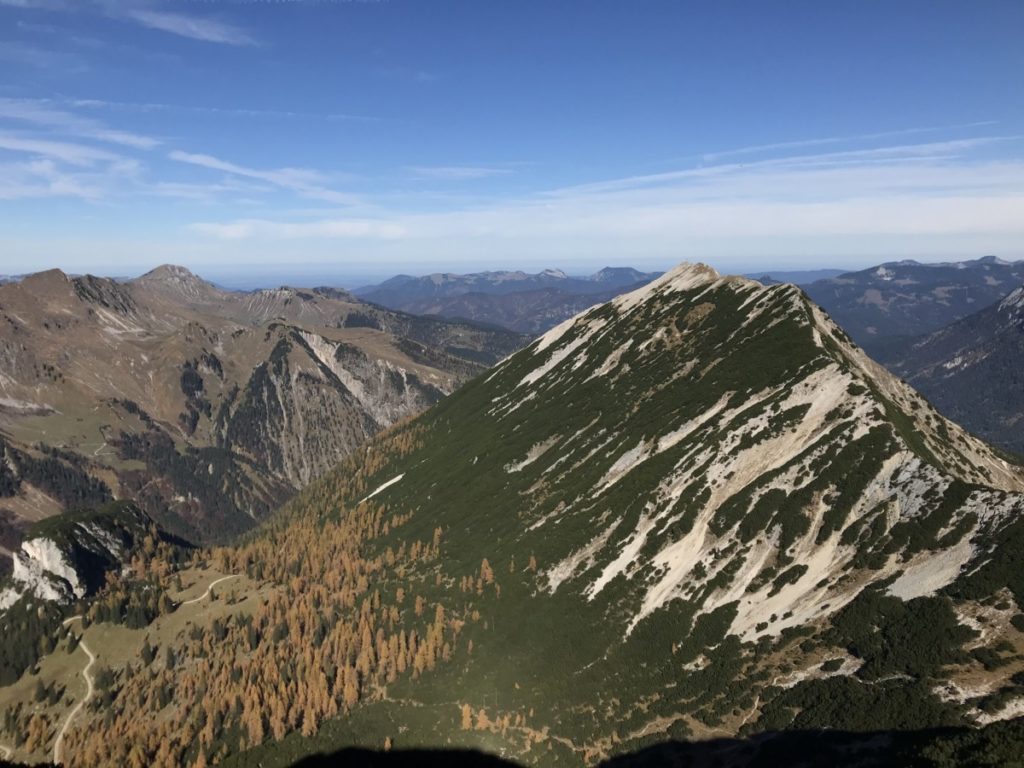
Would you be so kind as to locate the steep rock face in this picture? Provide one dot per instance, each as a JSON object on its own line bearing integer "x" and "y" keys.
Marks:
{"x": 42, "y": 569}
{"x": 973, "y": 371}
{"x": 67, "y": 558}
{"x": 208, "y": 407}
{"x": 314, "y": 400}
{"x": 715, "y": 491}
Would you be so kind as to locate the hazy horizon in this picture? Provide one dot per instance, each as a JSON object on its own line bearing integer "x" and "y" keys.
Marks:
{"x": 245, "y": 278}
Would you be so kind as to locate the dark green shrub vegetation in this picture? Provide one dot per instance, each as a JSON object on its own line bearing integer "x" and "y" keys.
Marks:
{"x": 27, "y": 629}
{"x": 917, "y": 638}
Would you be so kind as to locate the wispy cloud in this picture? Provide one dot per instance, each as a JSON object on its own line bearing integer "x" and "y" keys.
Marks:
{"x": 149, "y": 106}
{"x": 712, "y": 157}
{"x": 193, "y": 27}
{"x": 39, "y": 180}
{"x": 46, "y": 177}
{"x": 931, "y": 151}
{"x": 206, "y": 193}
{"x": 44, "y": 4}
{"x": 902, "y": 193}
{"x": 303, "y": 181}
{"x": 73, "y": 154}
{"x": 457, "y": 172}
{"x": 39, "y": 113}
{"x": 244, "y": 229}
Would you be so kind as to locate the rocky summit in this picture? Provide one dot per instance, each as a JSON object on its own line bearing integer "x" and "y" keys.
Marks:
{"x": 708, "y": 512}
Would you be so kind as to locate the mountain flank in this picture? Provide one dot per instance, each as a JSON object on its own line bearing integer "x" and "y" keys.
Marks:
{"x": 696, "y": 511}
{"x": 208, "y": 408}
{"x": 973, "y": 371}
{"x": 883, "y": 306}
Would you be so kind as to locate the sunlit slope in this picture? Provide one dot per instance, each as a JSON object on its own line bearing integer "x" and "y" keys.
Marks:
{"x": 674, "y": 488}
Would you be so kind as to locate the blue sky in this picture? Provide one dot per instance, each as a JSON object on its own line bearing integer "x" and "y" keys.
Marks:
{"x": 327, "y": 139}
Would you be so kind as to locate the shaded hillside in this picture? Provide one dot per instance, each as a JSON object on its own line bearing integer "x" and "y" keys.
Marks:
{"x": 880, "y": 306}
{"x": 529, "y": 312}
{"x": 527, "y": 303}
{"x": 973, "y": 371}
{"x": 997, "y": 745}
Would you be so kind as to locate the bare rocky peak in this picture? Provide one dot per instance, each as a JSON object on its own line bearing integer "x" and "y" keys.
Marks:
{"x": 46, "y": 281}
{"x": 177, "y": 281}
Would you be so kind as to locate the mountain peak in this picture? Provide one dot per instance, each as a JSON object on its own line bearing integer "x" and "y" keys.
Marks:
{"x": 694, "y": 270}
{"x": 555, "y": 273}
{"x": 49, "y": 284}
{"x": 176, "y": 280}
{"x": 46, "y": 277}
{"x": 172, "y": 272}
{"x": 705, "y": 451}
{"x": 685, "y": 276}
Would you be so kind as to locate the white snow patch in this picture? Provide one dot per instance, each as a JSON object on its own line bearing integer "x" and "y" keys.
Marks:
{"x": 388, "y": 484}
{"x": 956, "y": 362}
{"x": 960, "y": 692}
{"x": 23, "y": 406}
{"x": 685, "y": 277}
{"x": 623, "y": 464}
{"x": 1014, "y": 301}
{"x": 567, "y": 567}
{"x": 626, "y": 556}
{"x": 8, "y": 597}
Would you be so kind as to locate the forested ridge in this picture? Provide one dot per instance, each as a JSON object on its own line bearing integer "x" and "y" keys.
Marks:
{"x": 339, "y": 618}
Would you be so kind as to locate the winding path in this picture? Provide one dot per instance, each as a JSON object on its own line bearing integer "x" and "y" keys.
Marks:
{"x": 58, "y": 744}
{"x": 206, "y": 594}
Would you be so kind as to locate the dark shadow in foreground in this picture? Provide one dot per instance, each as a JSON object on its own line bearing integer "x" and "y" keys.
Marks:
{"x": 1000, "y": 744}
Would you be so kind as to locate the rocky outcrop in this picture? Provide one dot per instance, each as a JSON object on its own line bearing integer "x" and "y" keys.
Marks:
{"x": 67, "y": 557}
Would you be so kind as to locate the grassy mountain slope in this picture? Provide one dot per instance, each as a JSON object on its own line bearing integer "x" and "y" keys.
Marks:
{"x": 696, "y": 511}
{"x": 707, "y": 512}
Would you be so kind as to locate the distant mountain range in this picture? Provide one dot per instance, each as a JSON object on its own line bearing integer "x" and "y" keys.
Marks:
{"x": 529, "y": 303}
{"x": 973, "y": 370}
{"x": 796, "y": 277}
{"x": 882, "y": 305}
{"x": 207, "y": 407}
